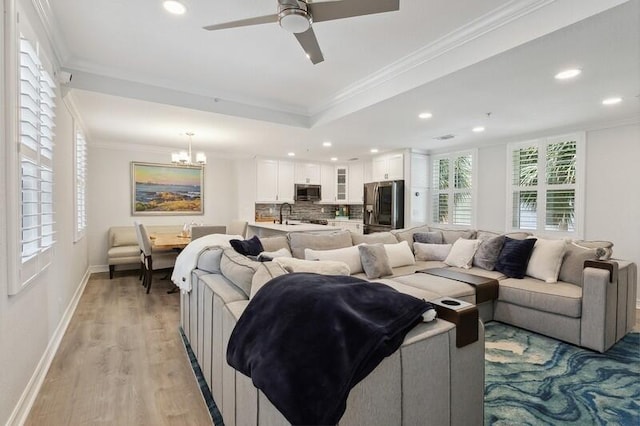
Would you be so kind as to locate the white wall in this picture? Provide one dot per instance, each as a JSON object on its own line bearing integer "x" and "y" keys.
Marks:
{"x": 491, "y": 194}
{"x": 109, "y": 193}
{"x": 33, "y": 318}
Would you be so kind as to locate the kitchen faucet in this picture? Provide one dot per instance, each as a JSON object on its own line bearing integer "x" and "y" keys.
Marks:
{"x": 290, "y": 210}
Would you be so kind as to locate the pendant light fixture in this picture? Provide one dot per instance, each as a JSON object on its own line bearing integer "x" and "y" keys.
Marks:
{"x": 184, "y": 158}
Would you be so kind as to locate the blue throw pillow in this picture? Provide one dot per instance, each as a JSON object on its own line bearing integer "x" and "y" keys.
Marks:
{"x": 250, "y": 247}
{"x": 514, "y": 257}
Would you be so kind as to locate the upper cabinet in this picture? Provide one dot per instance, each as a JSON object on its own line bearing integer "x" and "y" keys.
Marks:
{"x": 328, "y": 183}
{"x": 356, "y": 183}
{"x": 274, "y": 181}
{"x": 341, "y": 183}
{"x": 387, "y": 167}
{"x": 308, "y": 173}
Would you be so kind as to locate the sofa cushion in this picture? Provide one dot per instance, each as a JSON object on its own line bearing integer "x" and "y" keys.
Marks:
{"x": 275, "y": 243}
{"x": 487, "y": 254}
{"x": 376, "y": 237}
{"x": 431, "y": 237}
{"x": 250, "y": 247}
{"x": 605, "y": 248}
{"x": 573, "y": 263}
{"x": 514, "y": 257}
{"x": 406, "y": 234}
{"x": 124, "y": 251}
{"x": 425, "y": 251}
{"x": 559, "y": 298}
{"x": 410, "y": 290}
{"x": 324, "y": 267}
{"x": 450, "y": 236}
{"x": 209, "y": 260}
{"x": 546, "y": 259}
{"x": 349, "y": 255}
{"x": 375, "y": 261}
{"x": 238, "y": 269}
{"x": 125, "y": 237}
{"x": 474, "y": 270}
{"x": 400, "y": 254}
{"x": 461, "y": 254}
{"x": 440, "y": 286}
{"x": 298, "y": 241}
{"x": 265, "y": 272}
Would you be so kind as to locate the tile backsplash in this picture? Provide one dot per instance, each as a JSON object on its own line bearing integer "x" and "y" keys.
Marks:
{"x": 308, "y": 210}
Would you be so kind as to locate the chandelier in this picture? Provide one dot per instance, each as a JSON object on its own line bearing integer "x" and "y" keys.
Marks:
{"x": 184, "y": 158}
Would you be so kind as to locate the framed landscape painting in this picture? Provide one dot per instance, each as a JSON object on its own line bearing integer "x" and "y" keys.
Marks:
{"x": 164, "y": 189}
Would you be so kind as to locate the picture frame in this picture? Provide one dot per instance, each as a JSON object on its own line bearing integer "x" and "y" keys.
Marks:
{"x": 166, "y": 189}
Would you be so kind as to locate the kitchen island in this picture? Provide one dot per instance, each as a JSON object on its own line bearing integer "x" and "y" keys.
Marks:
{"x": 268, "y": 229}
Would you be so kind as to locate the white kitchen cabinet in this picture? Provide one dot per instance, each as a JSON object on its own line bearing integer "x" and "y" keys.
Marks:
{"x": 387, "y": 167}
{"x": 356, "y": 183}
{"x": 274, "y": 181}
{"x": 341, "y": 184}
{"x": 307, "y": 173}
{"x": 328, "y": 183}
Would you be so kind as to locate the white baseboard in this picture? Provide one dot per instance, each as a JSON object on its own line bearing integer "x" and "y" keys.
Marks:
{"x": 28, "y": 397}
{"x": 94, "y": 269}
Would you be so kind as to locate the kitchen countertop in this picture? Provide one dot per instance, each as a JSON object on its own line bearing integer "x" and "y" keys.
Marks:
{"x": 292, "y": 227}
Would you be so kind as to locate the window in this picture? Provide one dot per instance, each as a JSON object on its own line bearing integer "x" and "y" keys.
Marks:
{"x": 545, "y": 185}
{"x": 80, "y": 153}
{"x": 35, "y": 133}
{"x": 453, "y": 189}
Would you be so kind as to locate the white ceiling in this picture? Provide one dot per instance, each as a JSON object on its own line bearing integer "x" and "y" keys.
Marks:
{"x": 145, "y": 77}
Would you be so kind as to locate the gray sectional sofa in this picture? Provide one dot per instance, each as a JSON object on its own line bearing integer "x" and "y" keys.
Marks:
{"x": 429, "y": 379}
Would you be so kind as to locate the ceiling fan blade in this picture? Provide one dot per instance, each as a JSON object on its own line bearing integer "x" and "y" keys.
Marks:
{"x": 309, "y": 43}
{"x": 327, "y": 11}
{"x": 269, "y": 19}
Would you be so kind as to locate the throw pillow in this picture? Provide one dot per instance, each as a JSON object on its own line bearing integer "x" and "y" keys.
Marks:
{"x": 487, "y": 254}
{"x": 348, "y": 255}
{"x": 375, "y": 261}
{"x": 546, "y": 259}
{"x": 461, "y": 254}
{"x": 270, "y": 255}
{"x": 298, "y": 241}
{"x": 376, "y": 237}
{"x": 431, "y": 237}
{"x": 514, "y": 257}
{"x": 238, "y": 269}
{"x": 604, "y": 248}
{"x": 400, "y": 254}
{"x": 450, "y": 236}
{"x": 324, "y": 267}
{"x": 573, "y": 263}
{"x": 431, "y": 251}
{"x": 250, "y": 247}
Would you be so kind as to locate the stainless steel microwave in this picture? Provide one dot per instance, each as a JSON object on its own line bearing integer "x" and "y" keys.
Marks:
{"x": 307, "y": 192}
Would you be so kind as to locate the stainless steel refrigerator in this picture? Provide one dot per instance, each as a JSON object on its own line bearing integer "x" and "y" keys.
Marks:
{"x": 383, "y": 206}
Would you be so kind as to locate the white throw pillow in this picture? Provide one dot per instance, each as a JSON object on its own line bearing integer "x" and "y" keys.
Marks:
{"x": 461, "y": 254}
{"x": 348, "y": 255}
{"x": 399, "y": 254}
{"x": 283, "y": 252}
{"x": 546, "y": 259}
{"x": 324, "y": 267}
{"x": 426, "y": 251}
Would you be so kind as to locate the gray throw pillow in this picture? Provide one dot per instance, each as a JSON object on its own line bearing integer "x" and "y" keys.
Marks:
{"x": 573, "y": 263}
{"x": 375, "y": 261}
{"x": 487, "y": 254}
{"x": 431, "y": 237}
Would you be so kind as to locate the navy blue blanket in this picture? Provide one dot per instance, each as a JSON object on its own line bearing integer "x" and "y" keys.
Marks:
{"x": 307, "y": 339}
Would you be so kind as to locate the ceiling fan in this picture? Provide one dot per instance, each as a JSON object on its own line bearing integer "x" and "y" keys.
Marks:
{"x": 296, "y": 16}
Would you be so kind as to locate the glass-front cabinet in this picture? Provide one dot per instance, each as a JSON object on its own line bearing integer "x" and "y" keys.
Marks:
{"x": 341, "y": 183}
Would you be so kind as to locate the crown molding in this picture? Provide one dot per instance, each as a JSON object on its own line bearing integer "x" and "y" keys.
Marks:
{"x": 156, "y": 149}
{"x": 52, "y": 30}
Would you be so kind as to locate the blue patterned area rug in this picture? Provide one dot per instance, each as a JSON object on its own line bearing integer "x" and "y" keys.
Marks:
{"x": 535, "y": 380}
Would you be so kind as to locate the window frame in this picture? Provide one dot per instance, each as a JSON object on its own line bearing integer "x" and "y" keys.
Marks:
{"x": 542, "y": 186}
{"x": 451, "y": 190}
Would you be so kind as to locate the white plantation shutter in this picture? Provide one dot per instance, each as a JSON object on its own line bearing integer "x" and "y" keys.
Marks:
{"x": 545, "y": 191}
{"x": 80, "y": 184}
{"x": 36, "y": 136}
{"x": 453, "y": 188}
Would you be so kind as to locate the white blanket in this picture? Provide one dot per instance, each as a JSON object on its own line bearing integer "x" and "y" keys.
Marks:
{"x": 188, "y": 258}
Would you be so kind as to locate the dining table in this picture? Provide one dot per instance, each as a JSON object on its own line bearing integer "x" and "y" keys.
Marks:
{"x": 169, "y": 240}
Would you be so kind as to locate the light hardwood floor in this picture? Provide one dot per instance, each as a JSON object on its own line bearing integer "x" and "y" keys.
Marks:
{"x": 121, "y": 361}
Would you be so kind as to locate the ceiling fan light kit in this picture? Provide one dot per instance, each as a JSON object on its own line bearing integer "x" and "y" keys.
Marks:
{"x": 296, "y": 17}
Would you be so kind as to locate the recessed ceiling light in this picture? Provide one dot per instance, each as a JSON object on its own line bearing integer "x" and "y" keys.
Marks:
{"x": 374, "y": 150}
{"x": 291, "y": 154}
{"x": 478, "y": 129}
{"x": 425, "y": 115}
{"x": 326, "y": 143}
{"x": 566, "y": 74}
{"x": 611, "y": 101}
{"x": 334, "y": 158}
{"x": 175, "y": 7}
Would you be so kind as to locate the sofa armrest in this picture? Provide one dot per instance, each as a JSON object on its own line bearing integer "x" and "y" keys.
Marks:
{"x": 599, "y": 305}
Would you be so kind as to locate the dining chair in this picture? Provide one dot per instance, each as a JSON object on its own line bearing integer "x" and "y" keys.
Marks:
{"x": 202, "y": 230}
{"x": 237, "y": 227}
{"x": 152, "y": 261}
